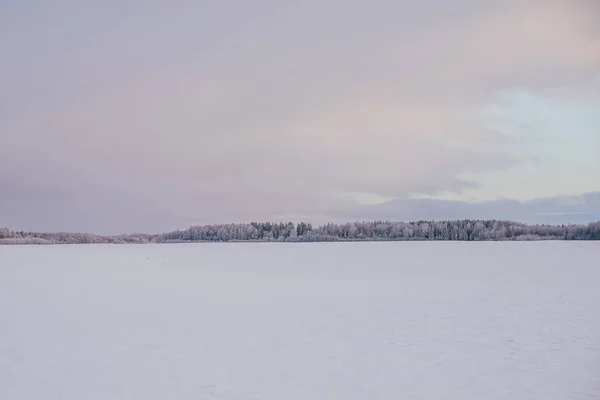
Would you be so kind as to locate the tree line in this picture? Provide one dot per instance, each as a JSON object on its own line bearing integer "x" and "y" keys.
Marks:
{"x": 460, "y": 230}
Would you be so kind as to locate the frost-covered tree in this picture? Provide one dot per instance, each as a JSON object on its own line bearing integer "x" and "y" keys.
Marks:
{"x": 4, "y": 233}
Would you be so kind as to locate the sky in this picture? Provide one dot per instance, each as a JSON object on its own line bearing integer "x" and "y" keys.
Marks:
{"x": 131, "y": 116}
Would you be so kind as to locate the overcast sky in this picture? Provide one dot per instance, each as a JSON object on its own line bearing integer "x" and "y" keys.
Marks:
{"x": 125, "y": 116}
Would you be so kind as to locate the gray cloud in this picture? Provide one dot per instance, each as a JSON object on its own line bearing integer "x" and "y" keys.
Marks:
{"x": 140, "y": 118}
{"x": 559, "y": 210}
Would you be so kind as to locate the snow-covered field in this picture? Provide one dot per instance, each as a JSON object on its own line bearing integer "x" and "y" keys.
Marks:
{"x": 275, "y": 321}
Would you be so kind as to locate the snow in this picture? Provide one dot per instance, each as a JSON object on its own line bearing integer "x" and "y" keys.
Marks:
{"x": 403, "y": 320}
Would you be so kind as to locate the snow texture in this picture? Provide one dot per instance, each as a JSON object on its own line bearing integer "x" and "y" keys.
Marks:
{"x": 404, "y": 320}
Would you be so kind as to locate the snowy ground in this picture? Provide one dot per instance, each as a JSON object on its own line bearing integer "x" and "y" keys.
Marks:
{"x": 301, "y": 321}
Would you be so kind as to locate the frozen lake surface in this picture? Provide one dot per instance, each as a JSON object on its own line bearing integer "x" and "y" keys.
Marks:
{"x": 344, "y": 321}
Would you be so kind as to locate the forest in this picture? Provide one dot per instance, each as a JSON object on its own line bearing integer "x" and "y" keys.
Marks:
{"x": 461, "y": 230}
